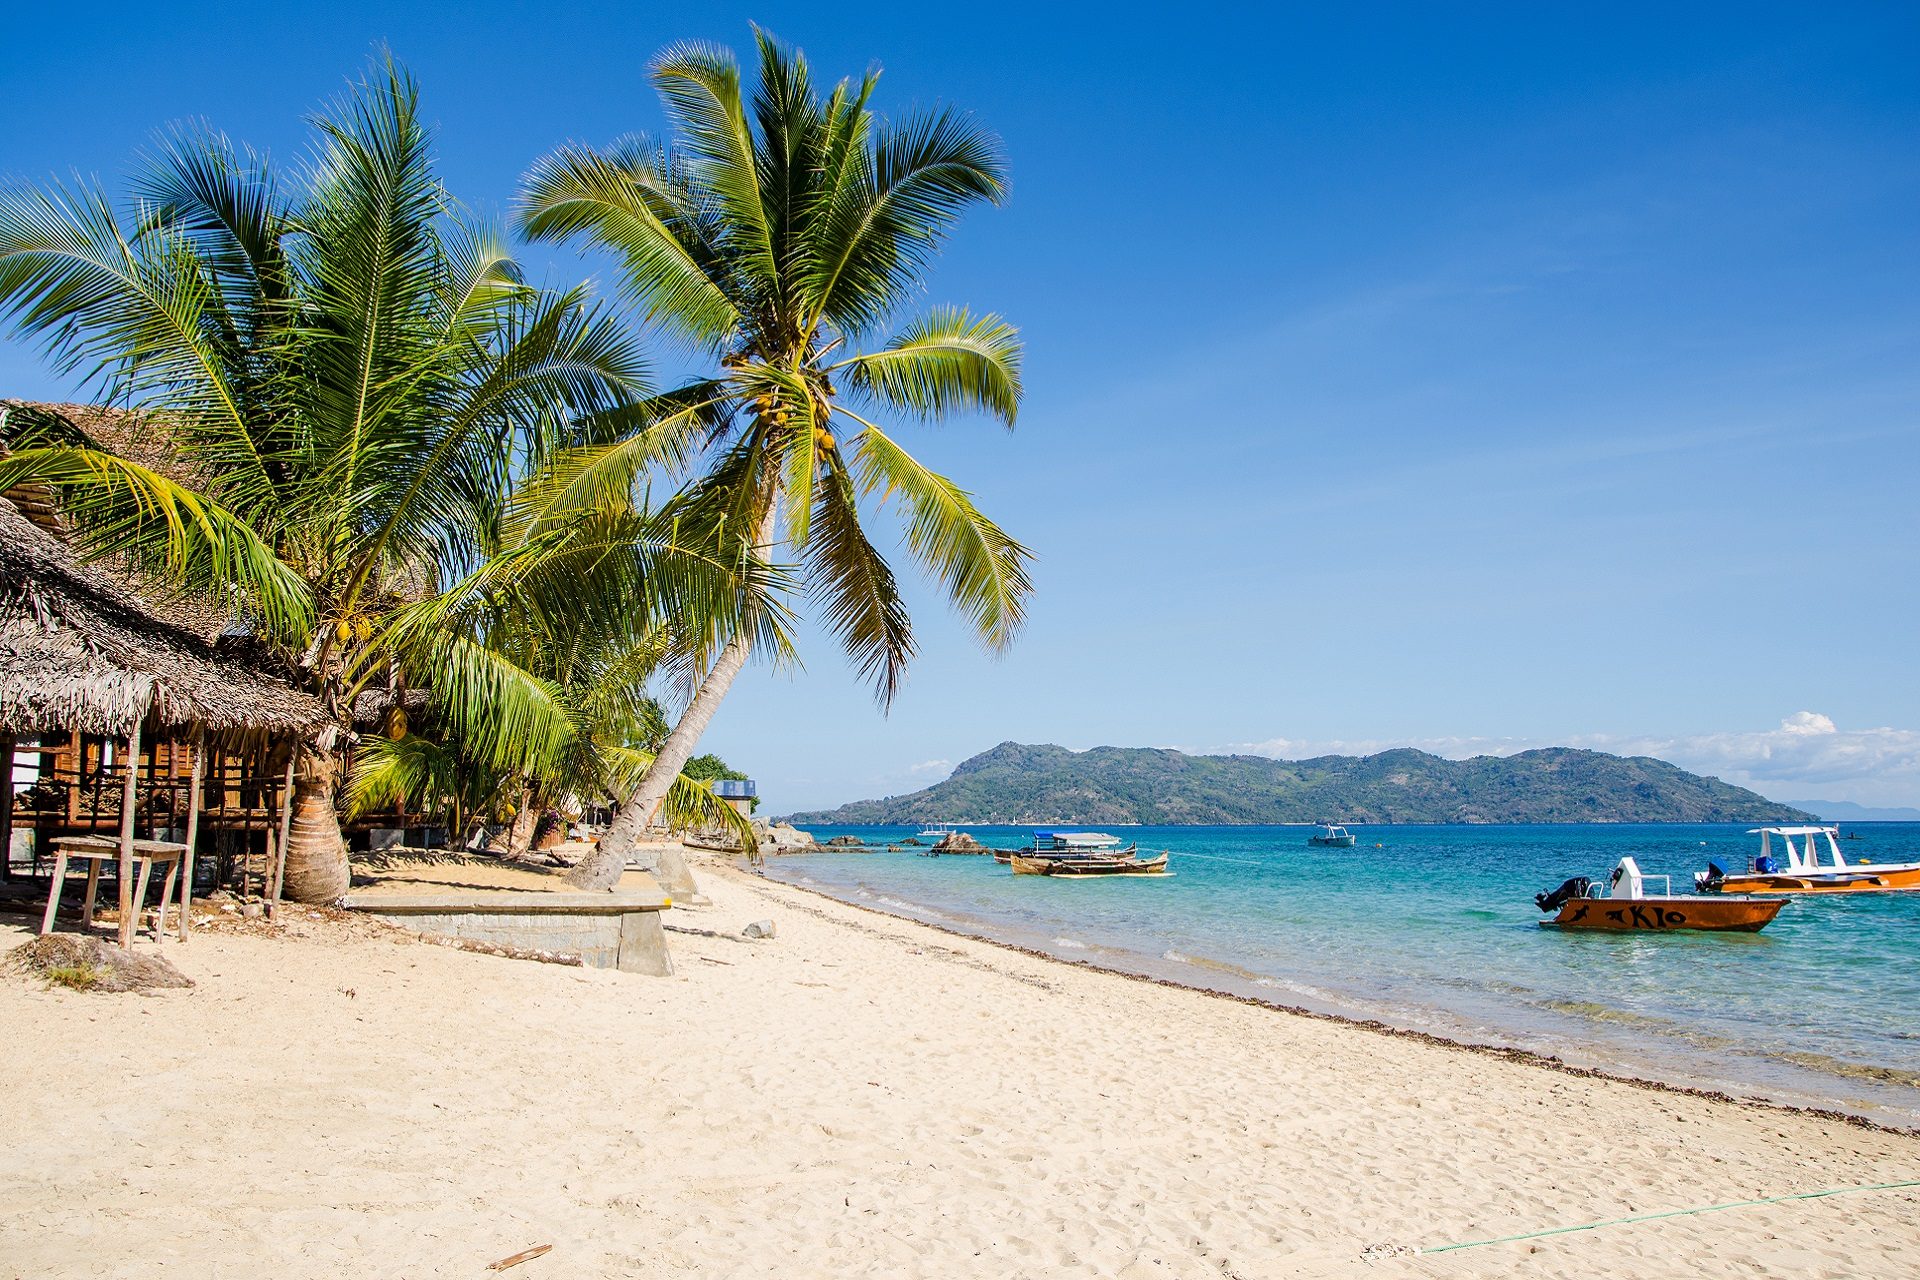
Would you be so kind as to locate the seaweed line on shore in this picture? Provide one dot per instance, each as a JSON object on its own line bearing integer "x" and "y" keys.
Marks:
{"x": 1505, "y": 1053}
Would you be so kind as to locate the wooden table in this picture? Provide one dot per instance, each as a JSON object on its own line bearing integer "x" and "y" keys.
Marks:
{"x": 95, "y": 850}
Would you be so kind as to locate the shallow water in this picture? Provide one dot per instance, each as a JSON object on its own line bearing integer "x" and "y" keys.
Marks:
{"x": 1434, "y": 929}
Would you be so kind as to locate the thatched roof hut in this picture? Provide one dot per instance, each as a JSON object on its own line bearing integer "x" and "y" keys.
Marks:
{"x": 78, "y": 651}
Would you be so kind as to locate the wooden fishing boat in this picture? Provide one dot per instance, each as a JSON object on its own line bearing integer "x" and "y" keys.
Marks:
{"x": 1623, "y": 903}
{"x": 1061, "y": 845}
{"x": 1799, "y": 867}
{"x": 1025, "y": 865}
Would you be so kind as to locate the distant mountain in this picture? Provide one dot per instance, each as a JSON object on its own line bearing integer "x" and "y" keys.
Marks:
{"x": 1848, "y": 811}
{"x": 1014, "y": 783}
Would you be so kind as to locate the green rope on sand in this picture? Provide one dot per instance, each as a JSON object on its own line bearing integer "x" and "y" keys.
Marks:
{"x": 1676, "y": 1213}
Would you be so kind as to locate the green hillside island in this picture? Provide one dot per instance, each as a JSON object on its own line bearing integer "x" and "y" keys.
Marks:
{"x": 1019, "y": 784}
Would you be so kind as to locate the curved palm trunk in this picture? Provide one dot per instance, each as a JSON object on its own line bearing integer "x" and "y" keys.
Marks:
{"x": 316, "y": 866}
{"x": 520, "y": 832}
{"x": 601, "y": 869}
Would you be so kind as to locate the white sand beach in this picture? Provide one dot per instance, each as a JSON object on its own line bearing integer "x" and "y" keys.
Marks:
{"x": 859, "y": 1096}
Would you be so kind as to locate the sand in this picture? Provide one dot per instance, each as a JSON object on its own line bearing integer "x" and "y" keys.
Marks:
{"x": 858, "y": 1096}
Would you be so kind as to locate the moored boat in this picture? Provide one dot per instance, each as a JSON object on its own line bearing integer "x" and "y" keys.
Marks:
{"x": 1108, "y": 865}
{"x": 1063, "y": 845}
{"x": 1623, "y": 903}
{"x": 1327, "y": 835}
{"x": 1798, "y": 867}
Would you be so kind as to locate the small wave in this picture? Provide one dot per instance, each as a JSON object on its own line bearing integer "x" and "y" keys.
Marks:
{"x": 895, "y": 904}
{"x": 1205, "y": 962}
{"x": 1852, "y": 1070}
{"x": 1070, "y": 944}
{"x": 1594, "y": 1011}
{"x": 1296, "y": 988}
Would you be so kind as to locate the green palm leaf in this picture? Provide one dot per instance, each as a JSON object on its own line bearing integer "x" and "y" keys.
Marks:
{"x": 945, "y": 362}
{"x": 983, "y": 570}
{"x": 850, "y": 583}
{"x": 197, "y": 544}
{"x": 635, "y": 201}
{"x": 700, "y": 85}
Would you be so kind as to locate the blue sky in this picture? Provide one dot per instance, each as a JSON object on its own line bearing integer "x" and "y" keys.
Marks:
{"x": 1469, "y": 377}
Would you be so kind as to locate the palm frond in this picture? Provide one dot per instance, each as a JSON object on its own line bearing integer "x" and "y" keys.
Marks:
{"x": 848, "y": 579}
{"x": 945, "y": 361}
{"x": 700, "y": 85}
{"x": 634, "y": 201}
{"x": 228, "y": 202}
{"x": 505, "y": 716}
{"x": 665, "y": 432}
{"x": 883, "y": 227}
{"x": 983, "y": 570}
{"x": 789, "y": 161}
{"x": 139, "y": 317}
{"x": 425, "y": 776}
{"x": 197, "y": 544}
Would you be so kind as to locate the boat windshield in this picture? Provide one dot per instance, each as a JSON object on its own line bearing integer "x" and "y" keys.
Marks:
{"x": 1798, "y": 848}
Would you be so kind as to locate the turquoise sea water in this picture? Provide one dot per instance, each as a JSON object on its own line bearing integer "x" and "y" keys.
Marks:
{"x": 1434, "y": 929}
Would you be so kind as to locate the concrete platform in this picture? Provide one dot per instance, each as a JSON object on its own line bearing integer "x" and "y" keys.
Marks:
{"x": 619, "y": 930}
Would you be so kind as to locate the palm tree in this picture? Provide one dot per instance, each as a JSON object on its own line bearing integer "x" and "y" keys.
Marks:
{"x": 357, "y": 370}
{"x": 781, "y": 239}
{"x": 538, "y": 664}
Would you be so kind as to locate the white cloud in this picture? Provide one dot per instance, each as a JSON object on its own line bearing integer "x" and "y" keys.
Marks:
{"x": 931, "y": 766}
{"x": 1807, "y": 757}
{"x": 1451, "y": 748}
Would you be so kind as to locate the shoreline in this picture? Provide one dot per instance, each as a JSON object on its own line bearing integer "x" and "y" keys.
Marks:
{"x": 1508, "y": 1053}
{"x": 1431, "y": 936}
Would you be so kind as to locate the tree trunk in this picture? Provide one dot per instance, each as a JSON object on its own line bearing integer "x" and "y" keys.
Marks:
{"x": 316, "y": 856}
{"x": 601, "y": 869}
{"x": 520, "y": 830}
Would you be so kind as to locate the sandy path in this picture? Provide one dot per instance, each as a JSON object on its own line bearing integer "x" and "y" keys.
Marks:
{"x": 858, "y": 1097}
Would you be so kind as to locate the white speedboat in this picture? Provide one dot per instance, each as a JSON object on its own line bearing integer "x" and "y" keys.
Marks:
{"x": 1797, "y": 866}
{"x": 1326, "y": 835}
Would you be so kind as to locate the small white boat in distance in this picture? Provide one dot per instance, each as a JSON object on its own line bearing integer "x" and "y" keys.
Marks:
{"x": 1799, "y": 868}
{"x": 1326, "y": 835}
{"x": 938, "y": 833}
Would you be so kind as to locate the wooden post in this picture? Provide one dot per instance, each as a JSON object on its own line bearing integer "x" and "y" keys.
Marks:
{"x": 193, "y": 831}
{"x": 53, "y": 894}
{"x": 78, "y": 750}
{"x": 286, "y": 824}
{"x": 129, "y": 797}
{"x": 6, "y": 806}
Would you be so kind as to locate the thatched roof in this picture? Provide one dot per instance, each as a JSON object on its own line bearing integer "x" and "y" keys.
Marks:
{"x": 80, "y": 651}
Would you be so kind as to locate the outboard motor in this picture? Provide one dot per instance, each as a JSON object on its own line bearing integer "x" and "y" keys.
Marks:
{"x": 1575, "y": 888}
{"x": 1710, "y": 878}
